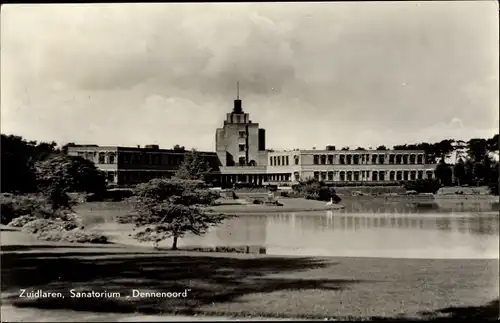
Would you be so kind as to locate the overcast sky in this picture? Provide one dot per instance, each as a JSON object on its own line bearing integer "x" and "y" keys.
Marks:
{"x": 312, "y": 74}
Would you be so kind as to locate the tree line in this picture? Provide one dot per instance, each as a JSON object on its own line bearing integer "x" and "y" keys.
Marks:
{"x": 21, "y": 159}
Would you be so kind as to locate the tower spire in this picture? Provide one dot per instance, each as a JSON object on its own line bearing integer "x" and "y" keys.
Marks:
{"x": 237, "y": 103}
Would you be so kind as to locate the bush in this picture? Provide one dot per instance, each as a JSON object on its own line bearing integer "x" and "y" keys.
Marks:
{"x": 82, "y": 236}
{"x": 257, "y": 201}
{"x": 14, "y": 206}
{"x": 313, "y": 189}
{"x": 69, "y": 230}
{"x": 43, "y": 225}
{"x": 73, "y": 236}
{"x": 423, "y": 185}
{"x": 19, "y": 222}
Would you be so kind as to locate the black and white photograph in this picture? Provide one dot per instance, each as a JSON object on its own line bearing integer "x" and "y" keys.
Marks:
{"x": 187, "y": 161}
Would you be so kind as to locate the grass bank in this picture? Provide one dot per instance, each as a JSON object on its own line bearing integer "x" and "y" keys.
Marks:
{"x": 289, "y": 205}
{"x": 244, "y": 285}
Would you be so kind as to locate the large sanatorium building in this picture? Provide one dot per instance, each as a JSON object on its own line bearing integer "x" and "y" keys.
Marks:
{"x": 241, "y": 156}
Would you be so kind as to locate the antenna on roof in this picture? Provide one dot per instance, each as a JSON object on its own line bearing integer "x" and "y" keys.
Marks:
{"x": 238, "y": 90}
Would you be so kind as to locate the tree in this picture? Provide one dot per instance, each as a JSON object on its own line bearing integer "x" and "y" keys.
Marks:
{"x": 360, "y": 148}
{"x": 345, "y": 148}
{"x": 18, "y": 159}
{"x": 492, "y": 144}
{"x": 494, "y": 178}
{"x": 469, "y": 171}
{"x": 459, "y": 172}
{"x": 477, "y": 149}
{"x": 443, "y": 173}
{"x": 58, "y": 175}
{"x": 167, "y": 208}
{"x": 193, "y": 167}
{"x": 382, "y": 147}
{"x": 428, "y": 185}
{"x": 179, "y": 148}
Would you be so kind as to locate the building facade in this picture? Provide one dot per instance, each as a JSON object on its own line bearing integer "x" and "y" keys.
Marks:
{"x": 241, "y": 156}
{"x": 244, "y": 158}
{"x": 131, "y": 165}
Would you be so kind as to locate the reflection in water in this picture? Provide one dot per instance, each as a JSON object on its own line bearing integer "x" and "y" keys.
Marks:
{"x": 395, "y": 230}
{"x": 464, "y": 235}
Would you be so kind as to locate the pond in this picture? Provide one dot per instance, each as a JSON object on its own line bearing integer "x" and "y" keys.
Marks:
{"x": 397, "y": 230}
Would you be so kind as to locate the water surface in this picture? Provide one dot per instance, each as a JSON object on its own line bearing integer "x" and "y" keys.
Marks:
{"x": 397, "y": 230}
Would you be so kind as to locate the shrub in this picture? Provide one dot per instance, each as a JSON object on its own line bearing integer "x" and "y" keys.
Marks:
{"x": 82, "y": 236}
{"x": 73, "y": 236}
{"x": 285, "y": 194}
{"x": 257, "y": 201}
{"x": 43, "y": 225}
{"x": 19, "y": 222}
{"x": 423, "y": 185}
{"x": 71, "y": 221}
{"x": 313, "y": 189}
{"x": 14, "y": 206}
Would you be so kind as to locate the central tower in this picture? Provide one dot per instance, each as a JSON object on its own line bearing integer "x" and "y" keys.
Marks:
{"x": 240, "y": 142}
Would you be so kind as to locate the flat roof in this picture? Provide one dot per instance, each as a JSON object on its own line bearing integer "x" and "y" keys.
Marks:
{"x": 135, "y": 149}
{"x": 316, "y": 151}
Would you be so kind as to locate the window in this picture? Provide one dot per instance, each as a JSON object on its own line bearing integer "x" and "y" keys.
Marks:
{"x": 330, "y": 159}
{"x": 374, "y": 159}
{"x": 349, "y": 159}
{"x": 112, "y": 158}
{"x": 242, "y": 147}
{"x": 271, "y": 161}
{"x": 316, "y": 175}
{"x": 242, "y": 134}
{"x": 330, "y": 176}
{"x": 323, "y": 159}
{"x": 279, "y": 161}
{"x": 420, "y": 159}
{"x": 287, "y": 160}
{"x": 283, "y": 160}
{"x": 102, "y": 158}
{"x": 296, "y": 160}
{"x": 316, "y": 160}
{"x": 242, "y": 161}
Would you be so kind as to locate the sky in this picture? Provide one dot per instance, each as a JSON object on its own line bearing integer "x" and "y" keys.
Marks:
{"x": 312, "y": 74}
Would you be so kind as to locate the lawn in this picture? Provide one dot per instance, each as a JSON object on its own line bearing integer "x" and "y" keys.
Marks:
{"x": 247, "y": 285}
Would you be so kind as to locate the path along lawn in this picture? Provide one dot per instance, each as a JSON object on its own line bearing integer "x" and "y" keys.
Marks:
{"x": 245, "y": 285}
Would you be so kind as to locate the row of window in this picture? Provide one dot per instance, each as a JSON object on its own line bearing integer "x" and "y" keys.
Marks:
{"x": 363, "y": 159}
{"x": 256, "y": 178}
{"x": 358, "y": 159}
{"x": 280, "y": 161}
{"x": 373, "y": 175}
{"x": 134, "y": 158}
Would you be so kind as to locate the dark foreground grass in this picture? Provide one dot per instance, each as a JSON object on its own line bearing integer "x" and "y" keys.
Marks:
{"x": 251, "y": 285}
